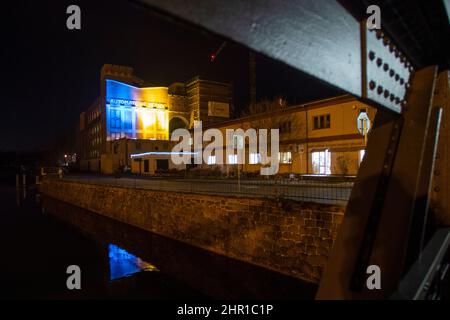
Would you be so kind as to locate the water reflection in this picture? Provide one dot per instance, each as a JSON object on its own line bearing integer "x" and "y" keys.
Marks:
{"x": 124, "y": 264}
{"x": 115, "y": 259}
{"x": 180, "y": 265}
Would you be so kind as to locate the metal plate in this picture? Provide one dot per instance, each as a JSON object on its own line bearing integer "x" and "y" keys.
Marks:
{"x": 318, "y": 37}
{"x": 388, "y": 71}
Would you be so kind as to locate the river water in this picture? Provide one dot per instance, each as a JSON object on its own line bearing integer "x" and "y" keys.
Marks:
{"x": 41, "y": 237}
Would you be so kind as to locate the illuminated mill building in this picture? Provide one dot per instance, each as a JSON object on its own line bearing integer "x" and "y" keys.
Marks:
{"x": 131, "y": 116}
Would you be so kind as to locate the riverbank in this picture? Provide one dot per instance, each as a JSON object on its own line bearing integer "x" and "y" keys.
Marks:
{"x": 293, "y": 238}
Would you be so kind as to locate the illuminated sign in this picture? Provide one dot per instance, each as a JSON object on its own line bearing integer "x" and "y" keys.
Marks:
{"x": 132, "y": 103}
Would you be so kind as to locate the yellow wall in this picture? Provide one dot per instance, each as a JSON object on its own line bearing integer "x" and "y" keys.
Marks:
{"x": 343, "y": 119}
{"x": 155, "y": 94}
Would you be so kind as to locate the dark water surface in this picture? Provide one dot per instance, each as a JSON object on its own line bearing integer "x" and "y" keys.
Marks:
{"x": 41, "y": 237}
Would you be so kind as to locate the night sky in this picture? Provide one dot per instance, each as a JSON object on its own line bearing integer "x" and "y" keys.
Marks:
{"x": 50, "y": 74}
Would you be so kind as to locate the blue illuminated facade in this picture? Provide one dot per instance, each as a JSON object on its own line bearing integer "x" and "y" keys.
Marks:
{"x": 136, "y": 113}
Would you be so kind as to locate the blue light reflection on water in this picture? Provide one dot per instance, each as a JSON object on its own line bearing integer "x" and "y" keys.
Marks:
{"x": 124, "y": 264}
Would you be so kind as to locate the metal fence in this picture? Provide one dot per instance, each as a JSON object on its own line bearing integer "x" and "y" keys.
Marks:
{"x": 313, "y": 189}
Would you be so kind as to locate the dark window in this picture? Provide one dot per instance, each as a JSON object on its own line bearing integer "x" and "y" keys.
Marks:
{"x": 285, "y": 127}
{"x": 162, "y": 164}
{"x": 322, "y": 122}
{"x": 146, "y": 166}
{"x": 316, "y": 122}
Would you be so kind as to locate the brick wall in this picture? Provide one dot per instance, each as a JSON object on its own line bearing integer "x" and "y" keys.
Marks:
{"x": 290, "y": 237}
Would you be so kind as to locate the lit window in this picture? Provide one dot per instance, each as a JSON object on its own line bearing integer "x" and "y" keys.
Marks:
{"x": 321, "y": 162}
{"x": 254, "y": 158}
{"x": 238, "y": 142}
{"x": 232, "y": 159}
{"x": 211, "y": 160}
{"x": 115, "y": 119}
{"x": 285, "y": 157}
{"x": 127, "y": 121}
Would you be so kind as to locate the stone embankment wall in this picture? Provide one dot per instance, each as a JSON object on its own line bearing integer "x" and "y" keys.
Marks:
{"x": 294, "y": 238}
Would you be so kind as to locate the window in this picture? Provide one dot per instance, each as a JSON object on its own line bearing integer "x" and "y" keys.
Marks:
{"x": 211, "y": 160}
{"x": 285, "y": 127}
{"x": 232, "y": 159}
{"x": 127, "y": 120}
{"x": 146, "y": 165}
{"x": 321, "y": 122}
{"x": 115, "y": 119}
{"x": 285, "y": 157}
{"x": 254, "y": 158}
{"x": 321, "y": 162}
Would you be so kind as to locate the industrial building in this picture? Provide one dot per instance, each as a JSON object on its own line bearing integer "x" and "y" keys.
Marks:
{"x": 131, "y": 116}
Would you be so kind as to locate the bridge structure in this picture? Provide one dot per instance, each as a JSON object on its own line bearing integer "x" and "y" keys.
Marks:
{"x": 386, "y": 215}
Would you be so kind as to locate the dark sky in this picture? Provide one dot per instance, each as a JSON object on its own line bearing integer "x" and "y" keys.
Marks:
{"x": 50, "y": 74}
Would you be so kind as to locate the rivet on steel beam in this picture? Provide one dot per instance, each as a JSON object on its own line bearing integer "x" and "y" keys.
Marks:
{"x": 379, "y": 34}
{"x": 379, "y": 62}
{"x": 385, "y": 67}
{"x": 371, "y": 55}
{"x": 380, "y": 90}
{"x": 386, "y": 93}
{"x": 372, "y": 85}
{"x": 391, "y": 73}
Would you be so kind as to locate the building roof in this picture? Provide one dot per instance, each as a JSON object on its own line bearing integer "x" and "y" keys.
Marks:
{"x": 287, "y": 110}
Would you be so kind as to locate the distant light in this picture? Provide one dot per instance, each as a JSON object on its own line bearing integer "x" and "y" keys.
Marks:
{"x": 213, "y": 57}
{"x": 65, "y": 156}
